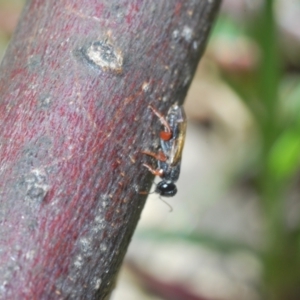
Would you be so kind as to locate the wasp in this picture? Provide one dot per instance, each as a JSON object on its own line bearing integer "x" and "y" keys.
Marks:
{"x": 172, "y": 137}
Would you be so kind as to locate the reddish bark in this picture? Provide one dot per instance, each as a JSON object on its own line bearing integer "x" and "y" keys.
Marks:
{"x": 74, "y": 87}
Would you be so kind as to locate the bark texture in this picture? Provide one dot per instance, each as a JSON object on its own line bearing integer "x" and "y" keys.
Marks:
{"x": 75, "y": 84}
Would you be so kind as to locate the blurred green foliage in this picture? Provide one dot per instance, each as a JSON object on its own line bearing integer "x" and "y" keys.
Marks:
{"x": 272, "y": 95}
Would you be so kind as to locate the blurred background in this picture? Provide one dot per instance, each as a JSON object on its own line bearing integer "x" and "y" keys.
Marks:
{"x": 233, "y": 233}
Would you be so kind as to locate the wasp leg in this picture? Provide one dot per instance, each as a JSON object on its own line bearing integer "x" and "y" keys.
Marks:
{"x": 156, "y": 172}
{"x": 159, "y": 156}
{"x": 167, "y": 134}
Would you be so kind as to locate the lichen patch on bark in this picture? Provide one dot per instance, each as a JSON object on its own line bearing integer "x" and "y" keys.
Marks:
{"x": 104, "y": 55}
{"x": 36, "y": 185}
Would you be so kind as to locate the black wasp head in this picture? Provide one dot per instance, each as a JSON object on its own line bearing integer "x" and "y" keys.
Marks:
{"x": 166, "y": 189}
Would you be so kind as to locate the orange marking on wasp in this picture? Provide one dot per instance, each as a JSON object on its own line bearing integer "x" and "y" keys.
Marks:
{"x": 161, "y": 119}
{"x": 166, "y": 136}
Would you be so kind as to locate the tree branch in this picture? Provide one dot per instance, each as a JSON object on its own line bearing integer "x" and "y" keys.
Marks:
{"x": 75, "y": 85}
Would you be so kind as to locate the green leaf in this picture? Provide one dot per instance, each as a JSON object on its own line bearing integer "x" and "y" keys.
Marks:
{"x": 284, "y": 157}
{"x": 211, "y": 241}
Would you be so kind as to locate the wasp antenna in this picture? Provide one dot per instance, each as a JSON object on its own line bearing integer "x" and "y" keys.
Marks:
{"x": 146, "y": 192}
{"x": 151, "y": 193}
{"x": 171, "y": 208}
